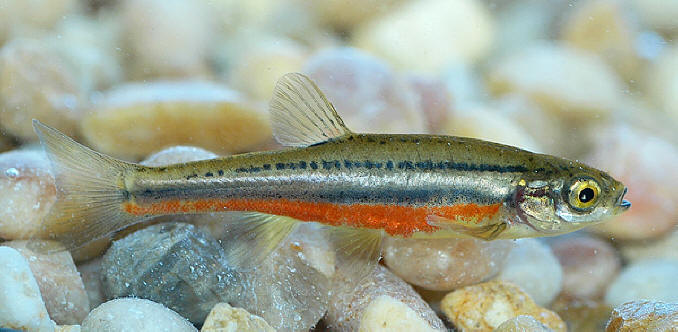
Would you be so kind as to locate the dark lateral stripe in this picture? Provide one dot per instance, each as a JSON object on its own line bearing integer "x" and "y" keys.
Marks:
{"x": 426, "y": 165}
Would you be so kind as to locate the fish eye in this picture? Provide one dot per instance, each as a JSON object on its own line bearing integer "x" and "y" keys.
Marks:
{"x": 584, "y": 193}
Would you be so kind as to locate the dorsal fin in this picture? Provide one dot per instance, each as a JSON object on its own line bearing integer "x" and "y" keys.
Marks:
{"x": 301, "y": 115}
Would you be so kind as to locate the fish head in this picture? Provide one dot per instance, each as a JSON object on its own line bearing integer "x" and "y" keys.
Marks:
{"x": 571, "y": 198}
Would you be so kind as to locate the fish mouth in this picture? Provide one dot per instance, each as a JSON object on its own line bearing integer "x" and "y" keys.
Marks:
{"x": 622, "y": 204}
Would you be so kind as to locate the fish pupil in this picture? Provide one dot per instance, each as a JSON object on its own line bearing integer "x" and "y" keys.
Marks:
{"x": 586, "y": 195}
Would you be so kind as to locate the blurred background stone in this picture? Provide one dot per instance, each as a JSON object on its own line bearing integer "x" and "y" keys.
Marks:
{"x": 652, "y": 279}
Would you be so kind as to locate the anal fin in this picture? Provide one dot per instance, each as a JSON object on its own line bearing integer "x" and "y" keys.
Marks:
{"x": 249, "y": 237}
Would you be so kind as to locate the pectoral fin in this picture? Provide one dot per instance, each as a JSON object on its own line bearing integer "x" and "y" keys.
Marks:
{"x": 358, "y": 251}
{"x": 249, "y": 237}
{"x": 483, "y": 232}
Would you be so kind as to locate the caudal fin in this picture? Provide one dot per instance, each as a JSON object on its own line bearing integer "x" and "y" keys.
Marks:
{"x": 90, "y": 191}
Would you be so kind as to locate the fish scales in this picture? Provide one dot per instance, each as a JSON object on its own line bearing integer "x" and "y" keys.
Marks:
{"x": 364, "y": 177}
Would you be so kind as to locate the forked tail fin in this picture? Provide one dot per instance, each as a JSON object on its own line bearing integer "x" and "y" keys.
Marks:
{"x": 90, "y": 191}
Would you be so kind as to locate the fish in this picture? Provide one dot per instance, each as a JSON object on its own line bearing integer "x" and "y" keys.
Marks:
{"x": 361, "y": 186}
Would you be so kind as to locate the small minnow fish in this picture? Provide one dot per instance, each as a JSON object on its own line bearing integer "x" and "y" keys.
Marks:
{"x": 366, "y": 185}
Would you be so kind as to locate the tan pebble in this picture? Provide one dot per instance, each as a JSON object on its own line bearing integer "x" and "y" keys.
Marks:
{"x": 645, "y": 164}
{"x": 17, "y": 16}
{"x": 60, "y": 284}
{"x": 174, "y": 113}
{"x": 582, "y": 315}
{"x": 167, "y": 39}
{"x": 521, "y": 324}
{"x": 536, "y": 123}
{"x": 662, "y": 82}
{"x": 267, "y": 60}
{"x": 27, "y": 193}
{"x": 607, "y": 28}
{"x": 91, "y": 47}
{"x": 662, "y": 247}
{"x": 414, "y": 35}
{"x": 91, "y": 250}
{"x": 366, "y": 92}
{"x": 224, "y": 318}
{"x": 382, "y": 302}
{"x": 561, "y": 79}
{"x": 67, "y": 328}
{"x": 348, "y": 14}
{"x": 435, "y": 101}
{"x": 483, "y": 307}
{"x": 532, "y": 266}
{"x": 37, "y": 83}
{"x": 520, "y": 23}
{"x": 444, "y": 264}
{"x": 589, "y": 265}
{"x": 644, "y": 315}
{"x": 658, "y": 14}
{"x": 90, "y": 272}
{"x": 480, "y": 122}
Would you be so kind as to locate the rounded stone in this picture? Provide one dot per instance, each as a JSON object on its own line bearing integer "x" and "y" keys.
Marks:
{"x": 131, "y": 314}
{"x": 532, "y": 266}
{"x": 444, "y": 264}
{"x": 589, "y": 265}
{"x": 366, "y": 92}
{"x": 647, "y": 279}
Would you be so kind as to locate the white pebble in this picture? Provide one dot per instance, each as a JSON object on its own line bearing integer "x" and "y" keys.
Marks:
{"x": 532, "y": 266}
{"x": 21, "y": 306}
{"x": 132, "y": 314}
{"x": 645, "y": 280}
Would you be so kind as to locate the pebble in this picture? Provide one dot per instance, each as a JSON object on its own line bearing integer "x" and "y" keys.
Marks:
{"x": 37, "y": 83}
{"x": 662, "y": 81}
{"x": 131, "y": 314}
{"x": 484, "y": 307}
{"x": 489, "y": 125}
{"x": 176, "y": 155}
{"x": 658, "y": 14}
{"x": 607, "y": 28}
{"x": 347, "y": 14}
{"x": 5, "y": 142}
{"x": 644, "y": 315}
{"x": 165, "y": 114}
{"x": 532, "y": 266}
{"x": 589, "y": 265}
{"x": 416, "y": 35}
{"x": 268, "y": 59}
{"x": 366, "y": 92}
{"x": 60, "y": 284}
{"x": 68, "y": 328}
{"x": 21, "y": 306}
{"x": 435, "y": 100}
{"x": 582, "y": 315}
{"x": 27, "y": 193}
{"x": 561, "y": 79}
{"x": 445, "y": 264}
{"x": 90, "y": 272}
{"x": 645, "y": 164}
{"x": 653, "y": 279}
{"x": 286, "y": 290}
{"x": 522, "y": 323}
{"x": 224, "y": 318}
{"x": 663, "y": 247}
{"x": 383, "y": 302}
{"x": 19, "y": 17}
{"x": 167, "y": 39}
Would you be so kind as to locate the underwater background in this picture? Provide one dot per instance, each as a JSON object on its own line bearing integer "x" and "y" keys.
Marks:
{"x": 161, "y": 82}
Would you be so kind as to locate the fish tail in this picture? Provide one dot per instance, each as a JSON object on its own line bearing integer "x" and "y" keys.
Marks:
{"x": 90, "y": 191}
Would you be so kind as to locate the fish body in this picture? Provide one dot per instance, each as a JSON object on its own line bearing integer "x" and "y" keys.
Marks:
{"x": 362, "y": 184}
